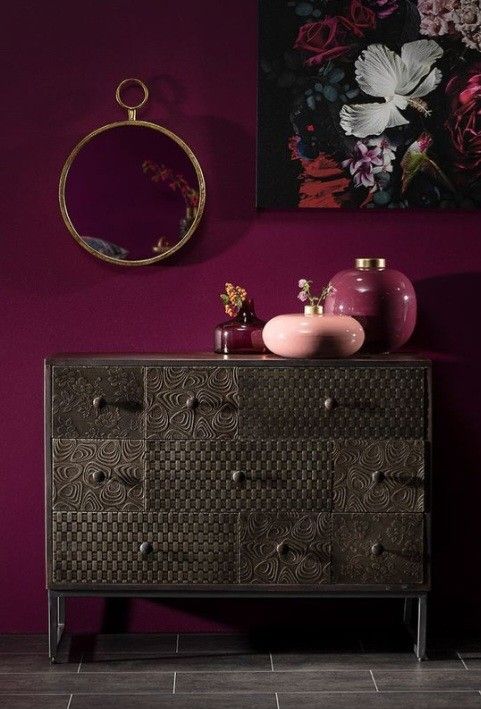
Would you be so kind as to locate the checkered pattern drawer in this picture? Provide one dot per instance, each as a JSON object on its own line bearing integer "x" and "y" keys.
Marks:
{"x": 240, "y": 475}
{"x": 362, "y": 402}
{"x": 105, "y": 548}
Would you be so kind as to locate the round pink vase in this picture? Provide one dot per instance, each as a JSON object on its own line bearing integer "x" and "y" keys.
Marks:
{"x": 313, "y": 335}
{"x": 381, "y": 299}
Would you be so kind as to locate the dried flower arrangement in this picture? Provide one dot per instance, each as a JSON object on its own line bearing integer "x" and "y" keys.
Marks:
{"x": 306, "y": 295}
{"x": 233, "y": 299}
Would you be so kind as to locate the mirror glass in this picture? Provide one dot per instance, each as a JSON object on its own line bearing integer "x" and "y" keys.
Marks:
{"x": 132, "y": 192}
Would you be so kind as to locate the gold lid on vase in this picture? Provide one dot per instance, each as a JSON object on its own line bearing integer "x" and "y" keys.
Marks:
{"x": 313, "y": 310}
{"x": 370, "y": 263}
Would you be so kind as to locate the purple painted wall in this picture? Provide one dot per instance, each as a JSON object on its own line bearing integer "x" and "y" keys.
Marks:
{"x": 62, "y": 62}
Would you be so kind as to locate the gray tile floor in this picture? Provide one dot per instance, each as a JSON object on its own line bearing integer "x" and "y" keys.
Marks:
{"x": 236, "y": 672}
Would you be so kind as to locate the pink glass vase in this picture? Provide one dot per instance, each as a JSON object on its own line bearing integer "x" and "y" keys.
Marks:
{"x": 313, "y": 334}
{"x": 242, "y": 334}
{"x": 381, "y": 299}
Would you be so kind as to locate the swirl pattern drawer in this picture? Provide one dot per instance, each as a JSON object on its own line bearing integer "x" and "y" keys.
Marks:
{"x": 377, "y": 548}
{"x": 97, "y": 402}
{"x": 332, "y": 402}
{"x": 91, "y": 476}
{"x": 240, "y": 475}
{"x": 378, "y": 476}
{"x": 132, "y": 548}
{"x": 284, "y": 548}
{"x": 192, "y": 402}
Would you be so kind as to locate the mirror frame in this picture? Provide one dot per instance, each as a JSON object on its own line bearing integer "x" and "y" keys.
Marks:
{"x": 69, "y": 162}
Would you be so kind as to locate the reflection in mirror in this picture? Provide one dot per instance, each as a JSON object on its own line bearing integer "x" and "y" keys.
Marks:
{"x": 132, "y": 191}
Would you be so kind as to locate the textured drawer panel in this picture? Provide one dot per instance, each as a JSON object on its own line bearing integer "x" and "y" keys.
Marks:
{"x": 192, "y": 402}
{"x": 237, "y": 475}
{"x": 103, "y": 548}
{"x": 303, "y": 556}
{"x": 378, "y": 476}
{"x": 398, "y": 559}
{"x": 120, "y": 413}
{"x": 368, "y": 402}
{"x": 98, "y": 475}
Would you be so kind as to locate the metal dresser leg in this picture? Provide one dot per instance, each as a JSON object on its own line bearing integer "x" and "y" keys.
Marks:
{"x": 56, "y": 623}
{"x": 408, "y": 611}
{"x": 420, "y": 646}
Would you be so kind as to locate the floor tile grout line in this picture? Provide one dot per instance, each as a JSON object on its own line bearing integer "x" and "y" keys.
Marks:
{"x": 277, "y": 701}
{"x": 375, "y": 683}
{"x": 173, "y": 688}
{"x": 272, "y": 662}
{"x": 70, "y": 701}
{"x": 80, "y": 663}
{"x": 177, "y": 643}
{"x": 464, "y": 664}
{"x": 317, "y": 670}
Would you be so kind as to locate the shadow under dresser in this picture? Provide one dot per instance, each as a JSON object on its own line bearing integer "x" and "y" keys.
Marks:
{"x": 209, "y": 475}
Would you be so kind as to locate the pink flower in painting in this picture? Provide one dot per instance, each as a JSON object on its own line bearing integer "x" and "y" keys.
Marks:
{"x": 364, "y": 163}
{"x": 370, "y": 159}
{"x": 383, "y": 8}
{"x": 464, "y": 123}
{"x": 436, "y": 17}
{"x": 335, "y": 36}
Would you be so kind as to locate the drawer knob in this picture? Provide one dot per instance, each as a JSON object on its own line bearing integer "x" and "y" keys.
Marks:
{"x": 378, "y": 476}
{"x": 98, "y": 476}
{"x": 377, "y": 549}
{"x": 329, "y": 403}
{"x": 192, "y": 402}
{"x": 238, "y": 476}
{"x": 282, "y": 548}
{"x": 146, "y": 548}
{"x": 98, "y": 402}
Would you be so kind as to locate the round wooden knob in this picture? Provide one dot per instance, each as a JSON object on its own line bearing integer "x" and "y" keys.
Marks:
{"x": 377, "y": 549}
{"x": 329, "y": 403}
{"x": 146, "y": 548}
{"x": 238, "y": 476}
{"x": 98, "y": 402}
{"x": 282, "y": 548}
{"x": 377, "y": 476}
{"x": 192, "y": 402}
{"x": 98, "y": 476}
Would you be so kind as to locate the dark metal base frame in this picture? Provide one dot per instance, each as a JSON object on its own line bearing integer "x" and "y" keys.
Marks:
{"x": 56, "y": 610}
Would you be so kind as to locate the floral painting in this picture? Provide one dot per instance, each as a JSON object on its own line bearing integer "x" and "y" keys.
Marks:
{"x": 370, "y": 104}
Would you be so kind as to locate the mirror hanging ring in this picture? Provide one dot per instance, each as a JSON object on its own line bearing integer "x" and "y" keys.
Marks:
{"x": 132, "y": 192}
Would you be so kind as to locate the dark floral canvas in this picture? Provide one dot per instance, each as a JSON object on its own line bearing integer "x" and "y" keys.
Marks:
{"x": 370, "y": 104}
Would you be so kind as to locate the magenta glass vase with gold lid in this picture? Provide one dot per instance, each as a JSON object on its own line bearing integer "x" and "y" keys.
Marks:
{"x": 382, "y": 299}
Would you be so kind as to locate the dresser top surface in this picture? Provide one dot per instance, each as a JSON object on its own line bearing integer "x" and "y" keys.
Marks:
{"x": 203, "y": 358}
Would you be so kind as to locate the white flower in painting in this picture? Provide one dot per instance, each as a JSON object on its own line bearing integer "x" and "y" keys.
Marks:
{"x": 401, "y": 80}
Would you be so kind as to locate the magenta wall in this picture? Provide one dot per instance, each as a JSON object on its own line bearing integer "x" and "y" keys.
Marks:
{"x": 61, "y": 63}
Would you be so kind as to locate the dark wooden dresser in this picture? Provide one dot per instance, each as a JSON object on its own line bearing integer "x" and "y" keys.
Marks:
{"x": 177, "y": 475}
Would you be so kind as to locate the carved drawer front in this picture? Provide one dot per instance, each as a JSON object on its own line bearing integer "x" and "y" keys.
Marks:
{"x": 135, "y": 548}
{"x": 238, "y": 475}
{"x": 378, "y": 476}
{"x": 377, "y": 548}
{"x": 192, "y": 402}
{"x": 332, "y": 402}
{"x": 97, "y": 402}
{"x": 285, "y": 548}
{"x": 98, "y": 475}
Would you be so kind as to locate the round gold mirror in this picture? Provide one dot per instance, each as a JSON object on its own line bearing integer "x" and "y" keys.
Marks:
{"x": 132, "y": 192}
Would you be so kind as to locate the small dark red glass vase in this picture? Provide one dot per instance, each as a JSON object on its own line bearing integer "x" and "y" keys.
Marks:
{"x": 242, "y": 334}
